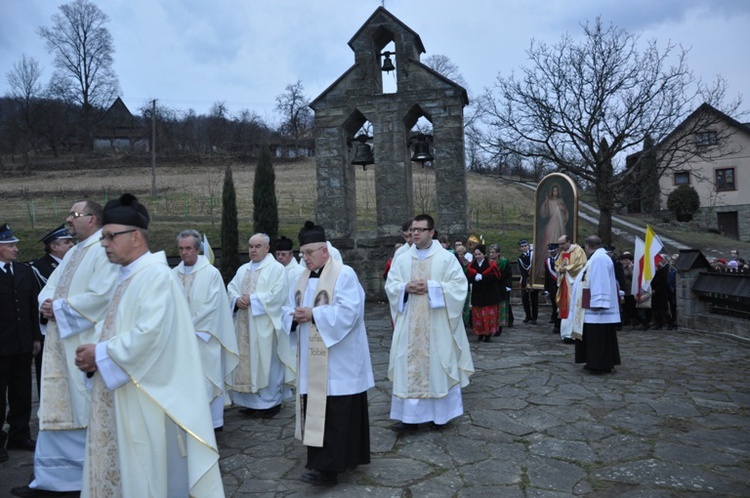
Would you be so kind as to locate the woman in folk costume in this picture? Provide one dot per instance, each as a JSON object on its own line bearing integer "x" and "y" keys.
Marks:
{"x": 505, "y": 284}
{"x": 485, "y": 294}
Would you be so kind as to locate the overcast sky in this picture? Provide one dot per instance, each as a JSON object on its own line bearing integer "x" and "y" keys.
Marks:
{"x": 192, "y": 53}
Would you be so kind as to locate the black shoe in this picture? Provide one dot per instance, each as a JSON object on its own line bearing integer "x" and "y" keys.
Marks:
{"x": 568, "y": 340}
{"x": 526, "y": 320}
{"x": 320, "y": 478}
{"x": 488, "y": 338}
{"x": 533, "y": 322}
{"x": 271, "y": 412}
{"x": 27, "y": 492}
{"x": 249, "y": 412}
{"x": 403, "y": 427}
{"x": 437, "y": 427}
{"x": 25, "y": 445}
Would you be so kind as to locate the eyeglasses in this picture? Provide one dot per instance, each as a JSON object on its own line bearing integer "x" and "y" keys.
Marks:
{"x": 419, "y": 229}
{"x": 73, "y": 214}
{"x": 111, "y": 236}
{"x": 309, "y": 252}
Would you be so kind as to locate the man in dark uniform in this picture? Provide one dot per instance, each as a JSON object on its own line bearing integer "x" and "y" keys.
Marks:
{"x": 550, "y": 284}
{"x": 56, "y": 245}
{"x": 529, "y": 295}
{"x": 19, "y": 341}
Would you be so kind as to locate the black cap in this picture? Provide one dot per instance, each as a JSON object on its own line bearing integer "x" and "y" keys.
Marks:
{"x": 553, "y": 246}
{"x": 523, "y": 242}
{"x": 311, "y": 233}
{"x": 284, "y": 244}
{"x": 126, "y": 211}
{"x": 58, "y": 233}
{"x": 6, "y": 235}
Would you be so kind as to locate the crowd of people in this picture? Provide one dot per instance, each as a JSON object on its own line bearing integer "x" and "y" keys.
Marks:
{"x": 124, "y": 411}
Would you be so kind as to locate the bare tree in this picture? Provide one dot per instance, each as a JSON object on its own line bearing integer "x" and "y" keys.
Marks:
{"x": 297, "y": 118}
{"x": 446, "y": 67}
{"x": 25, "y": 90}
{"x": 83, "y": 50}
{"x": 584, "y": 106}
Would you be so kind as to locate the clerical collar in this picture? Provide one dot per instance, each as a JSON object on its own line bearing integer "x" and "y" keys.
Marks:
{"x": 127, "y": 270}
{"x": 423, "y": 253}
{"x": 316, "y": 273}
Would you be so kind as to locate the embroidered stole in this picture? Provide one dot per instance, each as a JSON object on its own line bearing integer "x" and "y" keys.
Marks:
{"x": 101, "y": 445}
{"x": 55, "y": 405}
{"x": 187, "y": 282}
{"x": 418, "y": 344}
{"x": 243, "y": 381}
{"x": 579, "y": 312}
{"x": 310, "y": 425}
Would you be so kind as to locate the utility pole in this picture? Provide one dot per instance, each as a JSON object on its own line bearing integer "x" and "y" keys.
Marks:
{"x": 153, "y": 148}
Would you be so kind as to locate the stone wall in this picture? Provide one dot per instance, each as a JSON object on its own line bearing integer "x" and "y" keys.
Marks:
{"x": 694, "y": 314}
{"x": 368, "y": 257}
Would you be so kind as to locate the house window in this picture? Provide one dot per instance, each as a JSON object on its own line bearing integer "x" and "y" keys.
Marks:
{"x": 682, "y": 178}
{"x": 706, "y": 139}
{"x": 725, "y": 179}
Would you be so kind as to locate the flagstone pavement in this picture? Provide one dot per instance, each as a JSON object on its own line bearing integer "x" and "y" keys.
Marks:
{"x": 672, "y": 421}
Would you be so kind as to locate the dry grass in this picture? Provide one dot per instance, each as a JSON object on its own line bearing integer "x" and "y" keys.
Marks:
{"x": 189, "y": 196}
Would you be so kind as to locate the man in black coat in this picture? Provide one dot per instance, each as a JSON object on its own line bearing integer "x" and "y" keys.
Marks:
{"x": 550, "y": 283}
{"x": 529, "y": 295}
{"x": 56, "y": 244}
{"x": 19, "y": 342}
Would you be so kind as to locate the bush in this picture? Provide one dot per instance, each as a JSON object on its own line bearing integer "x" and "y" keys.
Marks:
{"x": 684, "y": 202}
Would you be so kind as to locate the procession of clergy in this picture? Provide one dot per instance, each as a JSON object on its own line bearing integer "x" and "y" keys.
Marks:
{"x": 125, "y": 412}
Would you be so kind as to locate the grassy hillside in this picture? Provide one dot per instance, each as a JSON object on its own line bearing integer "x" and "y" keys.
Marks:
{"x": 189, "y": 196}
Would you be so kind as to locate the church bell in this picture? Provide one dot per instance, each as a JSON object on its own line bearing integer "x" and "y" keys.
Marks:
{"x": 422, "y": 152}
{"x": 363, "y": 153}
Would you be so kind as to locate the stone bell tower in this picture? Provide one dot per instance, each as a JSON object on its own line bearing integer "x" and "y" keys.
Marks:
{"x": 357, "y": 97}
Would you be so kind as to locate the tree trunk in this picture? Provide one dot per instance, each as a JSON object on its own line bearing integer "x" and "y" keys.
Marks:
{"x": 605, "y": 225}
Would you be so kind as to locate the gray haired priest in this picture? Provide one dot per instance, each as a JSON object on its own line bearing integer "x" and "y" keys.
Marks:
{"x": 326, "y": 307}
{"x": 150, "y": 430}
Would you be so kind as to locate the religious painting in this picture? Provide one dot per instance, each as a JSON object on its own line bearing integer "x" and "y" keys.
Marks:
{"x": 556, "y": 214}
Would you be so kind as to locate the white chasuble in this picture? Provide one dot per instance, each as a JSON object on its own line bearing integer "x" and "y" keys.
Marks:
{"x": 212, "y": 320}
{"x": 149, "y": 335}
{"x": 258, "y": 328}
{"x": 85, "y": 281}
{"x": 430, "y": 351}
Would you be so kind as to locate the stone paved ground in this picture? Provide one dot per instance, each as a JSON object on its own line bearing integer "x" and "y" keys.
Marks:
{"x": 673, "y": 420}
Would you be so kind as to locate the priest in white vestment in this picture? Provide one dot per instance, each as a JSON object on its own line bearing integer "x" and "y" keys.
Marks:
{"x": 150, "y": 430}
{"x": 212, "y": 320}
{"x": 73, "y": 300}
{"x": 326, "y": 308}
{"x": 256, "y": 295}
{"x": 430, "y": 359}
